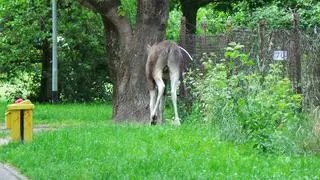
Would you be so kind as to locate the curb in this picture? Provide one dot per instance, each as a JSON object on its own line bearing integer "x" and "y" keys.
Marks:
{"x": 4, "y": 141}
{"x": 9, "y": 173}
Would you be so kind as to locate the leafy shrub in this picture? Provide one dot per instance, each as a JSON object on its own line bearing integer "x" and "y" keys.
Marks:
{"x": 246, "y": 106}
{"x": 173, "y": 29}
{"x": 23, "y": 86}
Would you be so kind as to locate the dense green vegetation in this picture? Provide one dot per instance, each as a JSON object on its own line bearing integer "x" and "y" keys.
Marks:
{"x": 277, "y": 15}
{"x": 246, "y": 106}
{"x": 25, "y": 52}
{"x": 25, "y": 42}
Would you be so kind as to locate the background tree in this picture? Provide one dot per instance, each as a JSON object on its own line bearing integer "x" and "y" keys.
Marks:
{"x": 25, "y": 51}
{"x": 25, "y": 46}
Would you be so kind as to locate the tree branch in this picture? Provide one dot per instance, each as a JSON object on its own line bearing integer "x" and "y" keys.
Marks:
{"x": 108, "y": 9}
{"x": 100, "y": 6}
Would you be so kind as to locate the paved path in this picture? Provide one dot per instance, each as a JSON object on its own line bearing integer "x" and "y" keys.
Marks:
{"x": 7, "y": 172}
{"x": 4, "y": 141}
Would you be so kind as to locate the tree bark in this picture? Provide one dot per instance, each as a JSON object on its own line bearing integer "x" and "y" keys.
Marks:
{"x": 126, "y": 49}
{"x": 190, "y": 9}
{"x": 45, "y": 84}
{"x": 296, "y": 63}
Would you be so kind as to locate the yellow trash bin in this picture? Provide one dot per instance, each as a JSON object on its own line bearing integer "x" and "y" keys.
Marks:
{"x": 6, "y": 119}
{"x": 19, "y": 120}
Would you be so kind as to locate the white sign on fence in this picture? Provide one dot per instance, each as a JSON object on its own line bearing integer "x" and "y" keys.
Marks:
{"x": 280, "y": 55}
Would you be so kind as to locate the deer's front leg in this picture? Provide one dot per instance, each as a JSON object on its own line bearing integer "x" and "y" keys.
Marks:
{"x": 161, "y": 108}
{"x": 174, "y": 77}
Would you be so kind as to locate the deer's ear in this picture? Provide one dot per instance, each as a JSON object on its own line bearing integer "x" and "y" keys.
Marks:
{"x": 148, "y": 48}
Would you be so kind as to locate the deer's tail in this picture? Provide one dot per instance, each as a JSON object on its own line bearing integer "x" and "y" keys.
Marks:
{"x": 183, "y": 91}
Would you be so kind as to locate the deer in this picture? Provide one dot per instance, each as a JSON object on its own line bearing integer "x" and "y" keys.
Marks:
{"x": 165, "y": 63}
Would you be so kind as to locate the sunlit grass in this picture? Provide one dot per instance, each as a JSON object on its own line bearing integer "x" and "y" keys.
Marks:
{"x": 66, "y": 113}
{"x": 99, "y": 151}
{"x": 94, "y": 148}
{"x": 3, "y": 134}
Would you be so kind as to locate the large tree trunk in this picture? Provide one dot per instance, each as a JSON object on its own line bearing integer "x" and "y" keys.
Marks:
{"x": 45, "y": 83}
{"x": 127, "y": 53}
{"x": 189, "y": 10}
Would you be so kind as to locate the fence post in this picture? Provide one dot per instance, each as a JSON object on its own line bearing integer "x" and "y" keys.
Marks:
{"x": 183, "y": 31}
{"x": 204, "y": 25}
{"x": 229, "y": 40}
{"x": 262, "y": 52}
{"x": 295, "y": 65}
{"x": 229, "y": 29}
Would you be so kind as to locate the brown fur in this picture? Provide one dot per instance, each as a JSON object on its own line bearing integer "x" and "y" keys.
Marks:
{"x": 161, "y": 49}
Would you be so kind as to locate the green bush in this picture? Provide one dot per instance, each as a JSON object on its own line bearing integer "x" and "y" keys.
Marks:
{"x": 246, "y": 106}
{"x": 25, "y": 42}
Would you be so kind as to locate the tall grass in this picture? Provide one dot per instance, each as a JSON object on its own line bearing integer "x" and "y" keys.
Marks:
{"x": 250, "y": 106}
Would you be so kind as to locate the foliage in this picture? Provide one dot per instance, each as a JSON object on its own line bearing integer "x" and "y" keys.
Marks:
{"x": 21, "y": 36}
{"x": 82, "y": 57}
{"x": 276, "y": 17}
{"x": 215, "y": 20}
{"x": 25, "y": 85}
{"x": 310, "y": 15}
{"x": 173, "y": 29}
{"x": 26, "y": 35}
{"x": 244, "y": 15}
{"x": 128, "y": 8}
{"x": 245, "y": 105}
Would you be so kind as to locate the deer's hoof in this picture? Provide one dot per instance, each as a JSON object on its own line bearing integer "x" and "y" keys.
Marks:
{"x": 154, "y": 117}
{"x": 153, "y": 123}
{"x": 154, "y": 120}
{"x": 176, "y": 122}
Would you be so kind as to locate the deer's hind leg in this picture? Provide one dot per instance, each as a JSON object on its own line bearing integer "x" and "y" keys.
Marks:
{"x": 161, "y": 107}
{"x": 174, "y": 78}
{"x": 160, "y": 85}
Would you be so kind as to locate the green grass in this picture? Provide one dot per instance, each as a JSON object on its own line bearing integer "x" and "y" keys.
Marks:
{"x": 100, "y": 151}
{"x": 66, "y": 113}
{"x": 69, "y": 113}
{"x": 3, "y": 108}
{"x": 94, "y": 148}
{"x": 3, "y": 134}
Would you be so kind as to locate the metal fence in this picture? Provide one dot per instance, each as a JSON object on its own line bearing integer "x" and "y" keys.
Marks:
{"x": 300, "y": 48}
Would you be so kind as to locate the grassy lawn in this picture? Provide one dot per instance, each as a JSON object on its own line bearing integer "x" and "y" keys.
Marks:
{"x": 66, "y": 113}
{"x": 98, "y": 149}
{"x": 3, "y": 134}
